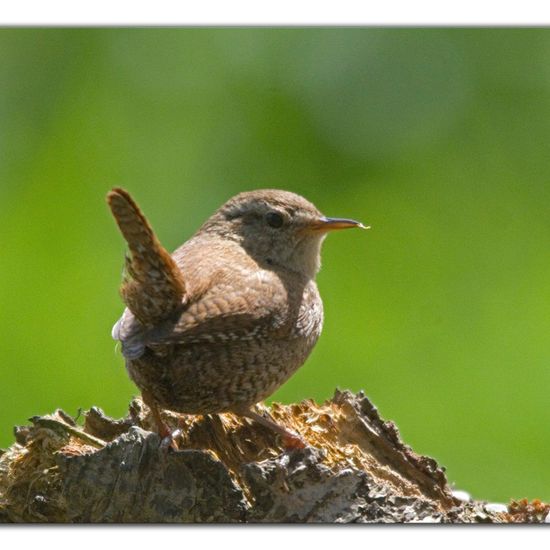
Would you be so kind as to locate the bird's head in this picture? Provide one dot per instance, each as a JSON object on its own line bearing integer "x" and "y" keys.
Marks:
{"x": 277, "y": 228}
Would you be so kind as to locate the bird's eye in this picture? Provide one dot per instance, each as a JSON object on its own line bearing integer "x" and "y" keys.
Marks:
{"x": 274, "y": 219}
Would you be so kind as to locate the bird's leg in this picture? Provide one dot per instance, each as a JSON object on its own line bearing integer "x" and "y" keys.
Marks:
{"x": 290, "y": 439}
{"x": 166, "y": 435}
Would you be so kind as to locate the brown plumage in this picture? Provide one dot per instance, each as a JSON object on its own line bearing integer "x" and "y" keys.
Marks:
{"x": 233, "y": 313}
{"x": 153, "y": 288}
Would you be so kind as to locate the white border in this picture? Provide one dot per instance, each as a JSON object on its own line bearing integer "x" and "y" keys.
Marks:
{"x": 281, "y": 12}
{"x": 253, "y": 537}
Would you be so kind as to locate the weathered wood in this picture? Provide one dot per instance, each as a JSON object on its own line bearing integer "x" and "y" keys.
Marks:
{"x": 354, "y": 469}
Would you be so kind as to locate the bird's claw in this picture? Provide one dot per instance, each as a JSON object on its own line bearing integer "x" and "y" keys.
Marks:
{"x": 168, "y": 440}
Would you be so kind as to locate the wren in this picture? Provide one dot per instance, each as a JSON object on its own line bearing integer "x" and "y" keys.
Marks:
{"x": 226, "y": 319}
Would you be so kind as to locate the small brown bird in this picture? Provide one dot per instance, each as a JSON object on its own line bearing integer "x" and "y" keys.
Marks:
{"x": 226, "y": 319}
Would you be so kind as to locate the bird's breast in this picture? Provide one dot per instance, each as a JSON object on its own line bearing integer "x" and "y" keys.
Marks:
{"x": 309, "y": 320}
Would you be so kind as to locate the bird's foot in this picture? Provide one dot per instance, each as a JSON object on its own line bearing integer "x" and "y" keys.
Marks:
{"x": 290, "y": 440}
{"x": 168, "y": 439}
{"x": 167, "y": 436}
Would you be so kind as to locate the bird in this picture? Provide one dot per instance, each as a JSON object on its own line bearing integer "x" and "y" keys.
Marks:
{"x": 227, "y": 318}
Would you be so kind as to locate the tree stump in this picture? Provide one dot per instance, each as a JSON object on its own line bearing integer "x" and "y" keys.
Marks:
{"x": 229, "y": 470}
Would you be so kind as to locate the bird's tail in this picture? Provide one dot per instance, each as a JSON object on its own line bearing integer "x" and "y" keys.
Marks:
{"x": 153, "y": 287}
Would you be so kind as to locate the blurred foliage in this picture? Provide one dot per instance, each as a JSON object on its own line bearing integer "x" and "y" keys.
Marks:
{"x": 438, "y": 138}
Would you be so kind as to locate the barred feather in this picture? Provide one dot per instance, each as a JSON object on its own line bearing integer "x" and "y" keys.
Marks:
{"x": 153, "y": 287}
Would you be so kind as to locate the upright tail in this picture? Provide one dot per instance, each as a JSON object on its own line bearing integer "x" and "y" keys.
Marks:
{"x": 153, "y": 287}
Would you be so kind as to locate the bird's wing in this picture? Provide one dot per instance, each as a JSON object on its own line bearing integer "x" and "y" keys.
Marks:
{"x": 230, "y": 312}
{"x": 227, "y": 312}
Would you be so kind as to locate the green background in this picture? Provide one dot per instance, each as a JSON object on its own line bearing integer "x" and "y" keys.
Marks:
{"x": 438, "y": 138}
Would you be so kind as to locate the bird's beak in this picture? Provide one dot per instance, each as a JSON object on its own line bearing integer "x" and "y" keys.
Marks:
{"x": 329, "y": 224}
